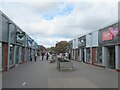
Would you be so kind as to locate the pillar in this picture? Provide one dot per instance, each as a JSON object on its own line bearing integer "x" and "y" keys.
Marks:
{"x": 90, "y": 55}
{"x": 0, "y": 41}
{"x": 105, "y": 56}
{"x": 9, "y": 39}
{"x": 117, "y": 57}
{"x": 80, "y": 54}
{"x": 0, "y": 56}
{"x": 85, "y": 54}
{"x": 14, "y": 58}
{"x": 19, "y": 57}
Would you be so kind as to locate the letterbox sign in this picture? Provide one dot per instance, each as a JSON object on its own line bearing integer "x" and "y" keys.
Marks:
{"x": 110, "y": 34}
{"x": 81, "y": 41}
{"x": 29, "y": 42}
{"x": 20, "y": 37}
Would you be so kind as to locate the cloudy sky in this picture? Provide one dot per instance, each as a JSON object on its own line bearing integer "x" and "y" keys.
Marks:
{"x": 49, "y": 21}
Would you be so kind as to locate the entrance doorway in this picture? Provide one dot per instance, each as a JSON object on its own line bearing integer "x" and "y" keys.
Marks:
{"x": 83, "y": 55}
{"x": 18, "y": 55}
{"x": 0, "y": 56}
{"x": 97, "y": 55}
{"x": 88, "y": 54}
{"x": 111, "y": 57}
{"x": 11, "y": 55}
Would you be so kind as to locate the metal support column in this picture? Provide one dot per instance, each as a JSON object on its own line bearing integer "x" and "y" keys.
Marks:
{"x": 85, "y": 54}
{"x": 14, "y": 54}
{"x": 105, "y": 56}
{"x": 117, "y": 55}
{"x": 9, "y": 39}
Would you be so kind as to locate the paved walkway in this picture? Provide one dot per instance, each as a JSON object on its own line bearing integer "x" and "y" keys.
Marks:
{"x": 42, "y": 74}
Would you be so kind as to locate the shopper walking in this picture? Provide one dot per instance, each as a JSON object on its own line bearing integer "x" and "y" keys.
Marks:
{"x": 35, "y": 57}
{"x": 69, "y": 56}
{"x": 31, "y": 58}
{"x": 47, "y": 55}
{"x": 43, "y": 55}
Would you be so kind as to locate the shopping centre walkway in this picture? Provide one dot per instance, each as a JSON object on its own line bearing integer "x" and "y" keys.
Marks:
{"x": 42, "y": 74}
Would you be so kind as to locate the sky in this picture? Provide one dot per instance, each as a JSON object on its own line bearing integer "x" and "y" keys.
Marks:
{"x": 50, "y": 21}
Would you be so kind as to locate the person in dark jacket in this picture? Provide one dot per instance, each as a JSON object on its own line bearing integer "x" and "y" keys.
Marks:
{"x": 69, "y": 56}
{"x": 47, "y": 55}
{"x": 43, "y": 55}
{"x": 31, "y": 58}
{"x": 35, "y": 57}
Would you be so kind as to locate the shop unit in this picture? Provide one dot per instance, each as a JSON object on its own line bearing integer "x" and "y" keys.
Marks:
{"x": 96, "y": 49}
{"x": 81, "y": 48}
{"x": 0, "y": 56}
{"x": 70, "y": 48}
{"x": 109, "y": 41}
{"x": 88, "y": 48}
{"x": 30, "y": 48}
{"x": 12, "y": 43}
{"x": 0, "y": 42}
{"x": 75, "y": 49}
{"x": 20, "y": 46}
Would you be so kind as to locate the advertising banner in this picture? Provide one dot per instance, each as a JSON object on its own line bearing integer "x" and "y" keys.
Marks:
{"x": 110, "y": 34}
{"x": 114, "y": 32}
{"x": 107, "y": 36}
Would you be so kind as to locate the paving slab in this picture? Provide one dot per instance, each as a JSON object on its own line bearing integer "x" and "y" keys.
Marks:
{"x": 42, "y": 74}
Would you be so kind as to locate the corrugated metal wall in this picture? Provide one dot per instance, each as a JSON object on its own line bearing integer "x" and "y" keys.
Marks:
{"x": 95, "y": 39}
{"x": 0, "y": 26}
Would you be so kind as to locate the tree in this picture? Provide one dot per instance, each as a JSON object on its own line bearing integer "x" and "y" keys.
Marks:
{"x": 61, "y": 47}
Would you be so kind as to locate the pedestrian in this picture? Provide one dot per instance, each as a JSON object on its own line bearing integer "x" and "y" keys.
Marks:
{"x": 66, "y": 55}
{"x": 69, "y": 56}
{"x": 35, "y": 57}
{"x": 43, "y": 56}
{"x": 31, "y": 58}
{"x": 47, "y": 55}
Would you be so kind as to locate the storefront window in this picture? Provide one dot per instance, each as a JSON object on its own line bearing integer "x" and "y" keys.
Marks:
{"x": 88, "y": 55}
{"x": 98, "y": 55}
{"x": 17, "y": 55}
{"x": 11, "y": 55}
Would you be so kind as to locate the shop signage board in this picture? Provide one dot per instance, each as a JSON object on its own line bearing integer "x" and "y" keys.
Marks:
{"x": 107, "y": 36}
{"x": 110, "y": 34}
{"x": 81, "y": 41}
{"x": 20, "y": 37}
{"x": 114, "y": 31}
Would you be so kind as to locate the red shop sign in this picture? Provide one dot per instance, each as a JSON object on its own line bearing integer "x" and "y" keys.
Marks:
{"x": 107, "y": 36}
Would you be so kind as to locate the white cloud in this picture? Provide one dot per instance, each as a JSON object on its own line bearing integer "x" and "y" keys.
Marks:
{"x": 85, "y": 17}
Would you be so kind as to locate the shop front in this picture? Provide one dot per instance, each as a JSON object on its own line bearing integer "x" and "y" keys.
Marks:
{"x": 110, "y": 47}
{"x": 0, "y": 56}
{"x": 75, "y": 49}
{"x": 11, "y": 56}
{"x": 20, "y": 46}
{"x": 81, "y": 47}
{"x": 111, "y": 57}
{"x": 96, "y": 49}
{"x": 29, "y": 46}
{"x": 88, "y": 49}
{"x": 88, "y": 55}
{"x": 4, "y": 56}
{"x": 97, "y": 56}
